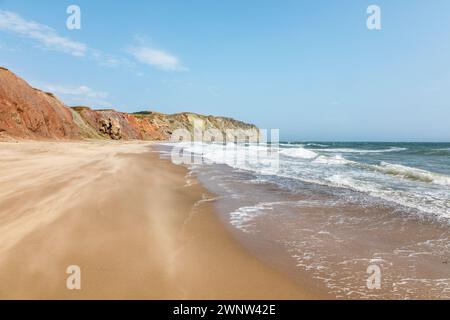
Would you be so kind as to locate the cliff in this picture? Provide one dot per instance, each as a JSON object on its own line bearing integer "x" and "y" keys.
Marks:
{"x": 29, "y": 113}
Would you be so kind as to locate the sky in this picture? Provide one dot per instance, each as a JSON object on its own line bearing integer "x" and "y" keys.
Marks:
{"x": 311, "y": 69}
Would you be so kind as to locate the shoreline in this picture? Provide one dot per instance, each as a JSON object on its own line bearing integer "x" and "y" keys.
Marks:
{"x": 128, "y": 219}
{"x": 325, "y": 238}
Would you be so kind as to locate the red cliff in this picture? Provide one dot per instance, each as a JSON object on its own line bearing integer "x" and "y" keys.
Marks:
{"x": 28, "y": 113}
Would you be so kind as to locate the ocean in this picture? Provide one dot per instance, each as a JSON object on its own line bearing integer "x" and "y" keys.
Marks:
{"x": 324, "y": 213}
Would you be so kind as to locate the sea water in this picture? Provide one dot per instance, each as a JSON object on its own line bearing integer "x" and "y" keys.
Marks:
{"x": 329, "y": 211}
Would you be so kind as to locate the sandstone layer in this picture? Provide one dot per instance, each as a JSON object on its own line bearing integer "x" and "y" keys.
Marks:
{"x": 29, "y": 113}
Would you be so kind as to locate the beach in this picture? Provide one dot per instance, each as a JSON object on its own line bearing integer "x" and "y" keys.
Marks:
{"x": 135, "y": 224}
{"x": 233, "y": 150}
{"x": 332, "y": 212}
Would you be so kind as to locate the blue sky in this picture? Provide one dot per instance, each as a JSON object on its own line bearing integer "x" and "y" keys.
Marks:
{"x": 310, "y": 68}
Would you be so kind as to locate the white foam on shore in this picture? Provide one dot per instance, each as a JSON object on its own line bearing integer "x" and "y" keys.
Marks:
{"x": 301, "y": 153}
{"x": 412, "y": 188}
{"x": 241, "y": 217}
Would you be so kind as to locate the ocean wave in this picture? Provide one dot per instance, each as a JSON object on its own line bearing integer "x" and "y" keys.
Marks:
{"x": 407, "y": 186}
{"x": 331, "y": 160}
{"x": 352, "y": 150}
{"x": 438, "y": 152}
{"x": 290, "y": 145}
{"x": 413, "y": 173}
{"x": 221, "y": 154}
{"x": 317, "y": 145}
{"x": 424, "y": 202}
{"x": 301, "y": 153}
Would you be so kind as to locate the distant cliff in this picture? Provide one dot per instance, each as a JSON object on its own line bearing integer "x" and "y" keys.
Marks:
{"x": 29, "y": 113}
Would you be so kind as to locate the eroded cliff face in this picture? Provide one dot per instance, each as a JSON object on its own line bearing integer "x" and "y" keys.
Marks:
{"x": 107, "y": 124}
{"x": 199, "y": 126}
{"x": 28, "y": 113}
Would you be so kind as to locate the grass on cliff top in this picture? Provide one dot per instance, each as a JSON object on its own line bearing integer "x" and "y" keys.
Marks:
{"x": 81, "y": 108}
{"x": 143, "y": 112}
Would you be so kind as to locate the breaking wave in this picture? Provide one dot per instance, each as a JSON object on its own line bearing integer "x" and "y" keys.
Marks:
{"x": 411, "y": 187}
{"x": 413, "y": 173}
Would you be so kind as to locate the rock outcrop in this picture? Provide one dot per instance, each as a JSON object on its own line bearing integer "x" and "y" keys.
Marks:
{"x": 28, "y": 113}
{"x": 192, "y": 122}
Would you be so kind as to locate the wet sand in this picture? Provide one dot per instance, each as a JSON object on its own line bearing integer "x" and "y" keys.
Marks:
{"x": 128, "y": 219}
{"x": 326, "y": 239}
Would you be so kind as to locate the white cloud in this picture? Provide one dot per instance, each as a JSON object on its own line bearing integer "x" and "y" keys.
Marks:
{"x": 156, "y": 58}
{"x": 76, "y": 94}
{"x": 48, "y": 38}
{"x": 76, "y": 91}
{"x": 44, "y": 35}
{"x": 108, "y": 60}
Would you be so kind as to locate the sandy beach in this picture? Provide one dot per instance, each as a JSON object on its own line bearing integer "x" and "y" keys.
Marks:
{"x": 127, "y": 218}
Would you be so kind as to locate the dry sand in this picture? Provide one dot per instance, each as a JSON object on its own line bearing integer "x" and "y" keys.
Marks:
{"x": 127, "y": 218}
